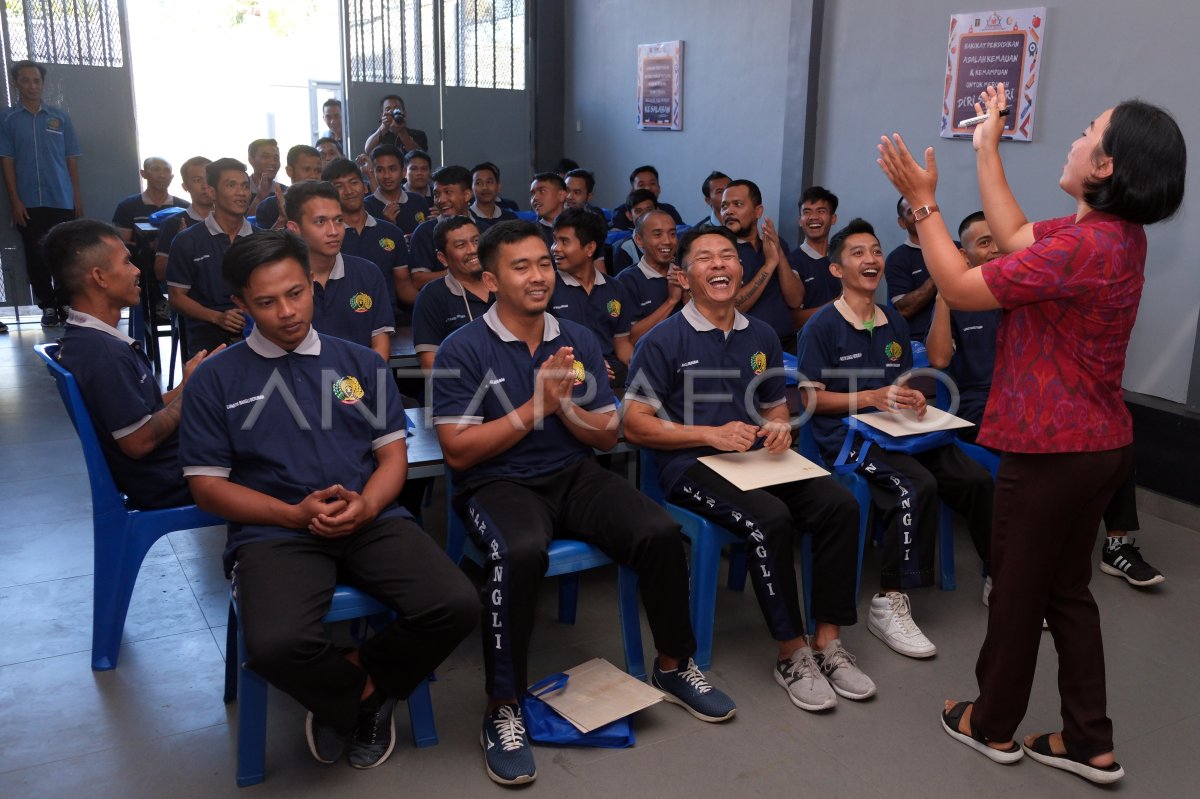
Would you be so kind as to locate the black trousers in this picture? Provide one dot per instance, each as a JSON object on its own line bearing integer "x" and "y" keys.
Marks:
{"x": 1048, "y": 510}
{"x": 906, "y": 489}
{"x": 1121, "y": 513}
{"x": 284, "y": 587}
{"x": 770, "y": 519}
{"x": 35, "y": 229}
{"x": 514, "y": 524}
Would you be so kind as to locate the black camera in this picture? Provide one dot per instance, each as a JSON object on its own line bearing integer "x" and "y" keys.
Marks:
{"x": 398, "y": 115}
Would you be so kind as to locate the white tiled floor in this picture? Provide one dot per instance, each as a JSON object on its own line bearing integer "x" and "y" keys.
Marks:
{"x": 156, "y": 726}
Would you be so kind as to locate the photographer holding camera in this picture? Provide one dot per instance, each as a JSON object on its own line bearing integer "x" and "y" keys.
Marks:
{"x": 393, "y": 128}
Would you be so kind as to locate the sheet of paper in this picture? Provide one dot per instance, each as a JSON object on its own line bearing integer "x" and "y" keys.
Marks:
{"x": 599, "y": 693}
{"x": 906, "y": 423}
{"x": 758, "y": 468}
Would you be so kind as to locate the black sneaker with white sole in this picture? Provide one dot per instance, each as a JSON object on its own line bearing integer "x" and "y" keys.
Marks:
{"x": 326, "y": 744}
{"x": 375, "y": 733}
{"x": 1125, "y": 560}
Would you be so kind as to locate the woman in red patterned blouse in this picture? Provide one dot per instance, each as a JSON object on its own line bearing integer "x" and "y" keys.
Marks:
{"x": 1070, "y": 289}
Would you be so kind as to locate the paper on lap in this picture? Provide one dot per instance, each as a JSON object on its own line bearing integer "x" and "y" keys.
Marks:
{"x": 906, "y": 423}
{"x": 759, "y": 468}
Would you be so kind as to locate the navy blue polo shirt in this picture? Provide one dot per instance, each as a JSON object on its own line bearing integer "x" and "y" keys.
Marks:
{"x": 267, "y": 213}
{"x": 500, "y": 214}
{"x": 414, "y": 209}
{"x": 194, "y": 265}
{"x": 444, "y": 306}
{"x": 121, "y": 393}
{"x": 684, "y": 358}
{"x": 831, "y": 345}
{"x": 497, "y": 374}
{"x": 974, "y": 359}
{"x": 905, "y": 271}
{"x": 645, "y": 290}
{"x": 820, "y": 286}
{"x": 381, "y": 243}
{"x": 605, "y": 311}
{"x": 355, "y": 303}
{"x": 625, "y": 255}
{"x": 173, "y": 227}
{"x": 547, "y": 231}
{"x": 138, "y": 207}
{"x": 286, "y": 424}
{"x": 770, "y": 307}
{"x": 620, "y": 221}
{"x": 423, "y": 256}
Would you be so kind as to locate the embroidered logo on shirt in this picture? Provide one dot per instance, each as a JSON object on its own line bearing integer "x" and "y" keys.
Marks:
{"x": 580, "y": 372}
{"x": 387, "y": 245}
{"x": 893, "y": 350}
{"x": 360, "y": 302}
{"x": 758, "y": 362}
{"x": 420, "y": 217}
{"x": 347, "y": 390}
{"x": 53, "y": 123}
{"x": 614, "y": 308}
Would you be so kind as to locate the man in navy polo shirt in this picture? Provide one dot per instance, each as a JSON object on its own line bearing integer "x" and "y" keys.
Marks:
{"x": 581, "y": 184}
{"x": 196, "y": 287}
{"x": 518, "y": 427}
{"x": 909, "y": 285}
{"x": 351, "y": 299}
{"x": 418, "y": 169}
{"x": 39, "y": 156}
{"x": 652, "y": 285}
{"x": 263, "y": 157}
{"x": 547, "y": 198}
{"x": 390, "y": 202}
{"x": 711, "y": 189}
{"x": 710, "y": 380}
{"x": 584, "y": 295}
{"x": 643, "y": 177}
{"x": 136, "y": 423}
{"x": 451, "y": 197}
{"x": 855, "y": 357}
{"x": 627, "y": 252}
{"x": 818, "y": 214}
{"x": 297, "y": 439}
{"x": 488, "y": 207}
{"x": 380, "y": 242}
{"x": 460, "y": 297}
{"x": 771, "y": 292}
{"x": 303, "y": 163}
{"x": 138, "y": 208}
{"x": 195, "y": 183}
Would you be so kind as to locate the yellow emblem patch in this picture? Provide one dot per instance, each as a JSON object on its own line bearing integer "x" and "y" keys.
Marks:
{"x": 758, "y": 362}
{"x": 386, "y": 244}
{"x": 420, "y": 217}
{"x": 893, "y": 350}
{"x": 614, "y": 308}
{"x": 361, "y": 302}
{"x": 347, "y": 390}
{"x": 580, "y": 372}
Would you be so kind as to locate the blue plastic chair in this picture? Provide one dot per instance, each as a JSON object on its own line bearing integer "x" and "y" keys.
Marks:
{"x": 567, "y": 558}
{"x": 244, "y": 685}
{"x": 122, "y": 537}
{"x": 981, "y": 455}
{"x": 528, "y": 216}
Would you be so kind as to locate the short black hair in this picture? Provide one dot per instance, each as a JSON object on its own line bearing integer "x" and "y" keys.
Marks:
{"x": 837, "y": 241}
{"x": 565, "y": 165}
{"x": 589, "y": 227}
{"x": 969, "y": 220}
{"x": 453, "y": 174}
{"x": 413, "y": 155}
{"x": 70, "y": 249}
{"x": 487, "y": 166}
{"x": 589, "y": 180}
{"x": 300, "y": 150}
{"x": 340, "y": 168}
{"x": 212, "y": 172}
{"x": 707, "y": 184}
{"x": 551, "y": 177}
{"x": 299, "y": 194}
{"x": 330, "y": 140}
{"x": 689, "y": 238}
{"x": 510, "y": 231}
{"x": 258, "y": 144}
{"x": 386, "y": 150}
{"x": 16, "y": 68}
{"x": 194, "y": 161}
{"x": 331, "y": 101}
{"x": 640, "y": 223}
{"x": 643, "y": 168}
{"x": 751, "y": 187}
{"x": 447, "y": 226}
{"x": 900, "y": 208}
{"x": 817, "y": 194}
{"x": 639, "y": 196}
{"x": 259, "y": 249}
{"x": 1149, "y": 159}
{"x": 387, "y": 97}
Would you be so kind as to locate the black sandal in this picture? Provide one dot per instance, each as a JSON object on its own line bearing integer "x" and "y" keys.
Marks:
{"x": 1073, "y": 761}
{"x": 950, "y": 721}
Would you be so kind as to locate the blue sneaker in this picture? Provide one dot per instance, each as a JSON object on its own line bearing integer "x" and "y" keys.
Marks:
{"x": 506, "y": 750}
{"x": 326, "y": 744}
{"x": 375, "y": 733}
{"x": 688, "y": 688}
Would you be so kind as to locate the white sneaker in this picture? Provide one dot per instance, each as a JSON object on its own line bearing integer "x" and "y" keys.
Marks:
{"x": 987, "y": 590}
{"x": 801, "y": 677}
{"x": 843, "y": 674}
{"x": 891, "y": 621}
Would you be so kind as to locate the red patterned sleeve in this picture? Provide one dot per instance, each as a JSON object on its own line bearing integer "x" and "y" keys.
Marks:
{"x": 1063, "y": 262}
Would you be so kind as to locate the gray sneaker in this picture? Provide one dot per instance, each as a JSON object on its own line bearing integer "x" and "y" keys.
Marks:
{"x": 846, "y": 678}
{"x": 801, "y": 677}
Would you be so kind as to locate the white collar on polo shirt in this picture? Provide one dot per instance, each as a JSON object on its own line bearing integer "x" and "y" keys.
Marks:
{"x": 550, "y": 330}
{"x": 81, "y": 319}
{"x": 570, "y": 281}
{"x": 699, "y": 323}
{"x": 269, "y": 349}
{"x": 843, "y": 308}
{"x": 210, "y": 222}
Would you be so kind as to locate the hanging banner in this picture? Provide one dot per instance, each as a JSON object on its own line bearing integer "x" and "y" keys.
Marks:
{"x": 660, "y": 86}
{"x": 987, "y": 48}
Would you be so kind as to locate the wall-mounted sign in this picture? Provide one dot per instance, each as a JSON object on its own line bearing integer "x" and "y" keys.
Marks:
{"x": 660, "y": 86}
{"x": 992, "y": 47}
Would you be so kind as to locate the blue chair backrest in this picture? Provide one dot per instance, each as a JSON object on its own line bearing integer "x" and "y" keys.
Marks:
{"x": 528, "y": 216}
{"x": 608, "y": 214}
{"x": 105, "y": 496}
{"x": 615, "y": 237}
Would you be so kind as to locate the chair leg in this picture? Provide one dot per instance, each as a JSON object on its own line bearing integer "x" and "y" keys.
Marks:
{"x": 118, "y": 558}
{"x": 631, "y": 624}
{"x": 706, "y": 568}
{"x": 946, "y": 547}
{"x": 420, "y": 716}
{"x": 231, "y": 655}
{"x": 251, "y": 721}
{"x": 568, "y": 597}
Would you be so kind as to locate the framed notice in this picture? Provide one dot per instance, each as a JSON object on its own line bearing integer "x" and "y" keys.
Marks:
{"x": 660, "y": 86}
{"x": 992, "y": 47}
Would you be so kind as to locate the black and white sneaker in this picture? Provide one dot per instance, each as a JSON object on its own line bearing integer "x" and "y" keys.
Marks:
{"x": 1125, "y": 560}
{"x": 375, "y": 733}
{"x": 326, "y": 744}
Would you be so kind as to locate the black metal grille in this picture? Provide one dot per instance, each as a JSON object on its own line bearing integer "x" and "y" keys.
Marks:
{"x": 79, "y": 32}
{"x": 484, "y": 42}
{"x": 391, "y": 41}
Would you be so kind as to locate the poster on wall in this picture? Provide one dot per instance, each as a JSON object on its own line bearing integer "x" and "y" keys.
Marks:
{"x": 660, "y": 86}
{"x": 992, "y": 47}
